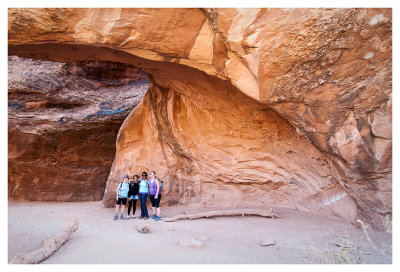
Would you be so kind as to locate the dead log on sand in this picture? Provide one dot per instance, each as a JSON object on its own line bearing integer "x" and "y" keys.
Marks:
{"x": 240, "y": 212}
{"x": 49, "y": 246}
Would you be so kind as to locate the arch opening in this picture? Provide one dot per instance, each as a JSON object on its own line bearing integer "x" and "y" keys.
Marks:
{"x": 63, "y": 123}
{"x": 213, "y": 145}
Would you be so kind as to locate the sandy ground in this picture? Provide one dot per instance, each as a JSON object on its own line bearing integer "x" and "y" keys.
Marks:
{"x": 100, "y": 239}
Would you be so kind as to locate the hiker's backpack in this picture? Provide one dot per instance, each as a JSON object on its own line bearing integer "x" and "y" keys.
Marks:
{"x": 161, "y": 185}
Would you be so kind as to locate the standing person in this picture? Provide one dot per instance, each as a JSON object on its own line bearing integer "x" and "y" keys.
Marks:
{"x": 155, "y": 195}
{"x": 133, "y": 196}
{"x": 143, "y": 192}
{"x": 122, "y": 195}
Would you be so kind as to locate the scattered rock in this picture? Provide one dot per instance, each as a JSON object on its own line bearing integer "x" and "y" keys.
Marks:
{"x": 171, "y": 229}
{"x": 191, "y": 243}
{"x": 143, "y": 229}
{"x": 268, "y": 242}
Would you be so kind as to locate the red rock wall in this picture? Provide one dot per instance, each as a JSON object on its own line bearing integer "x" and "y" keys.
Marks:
{"x": 286, "y": 107}
{"x": 63, "y": 119}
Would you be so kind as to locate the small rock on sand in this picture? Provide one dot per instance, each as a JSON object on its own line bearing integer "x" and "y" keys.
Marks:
{"x": 191, "y": 243}
{"x": 143, "y": 229}
{"x": 268, "y": 242}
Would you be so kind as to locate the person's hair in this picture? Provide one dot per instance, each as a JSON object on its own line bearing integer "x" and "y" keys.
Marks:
{"x": 153, "y": 172}
{"x": 126, "y": 176}
{"x": 144, "y": 174}
{"x": 135, "y": 176}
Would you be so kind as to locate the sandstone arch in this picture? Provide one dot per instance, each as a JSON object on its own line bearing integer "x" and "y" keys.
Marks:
{"x": 278, "y": 107}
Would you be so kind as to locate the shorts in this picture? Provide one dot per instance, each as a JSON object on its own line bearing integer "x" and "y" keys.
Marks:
{"x": 121, "y": 200}
{"x": 155, "y": 202}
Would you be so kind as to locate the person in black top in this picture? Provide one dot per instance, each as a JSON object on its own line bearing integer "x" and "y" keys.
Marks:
{"x": 133, "y": 196}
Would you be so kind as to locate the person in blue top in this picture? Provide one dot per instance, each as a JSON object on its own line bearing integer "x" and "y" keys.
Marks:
{"x": 122, "y": 195}
{"x": 143, "y": 192}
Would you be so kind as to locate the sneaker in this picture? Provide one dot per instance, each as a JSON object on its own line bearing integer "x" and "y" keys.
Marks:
{"x": 115, "y": 217}
{"x": 157, "y": 218}
{"x": 146, "y": 218}
{"x": 154, "y": 216}
{"x": 141, "y": 217}
{"x": 122, "y": 217}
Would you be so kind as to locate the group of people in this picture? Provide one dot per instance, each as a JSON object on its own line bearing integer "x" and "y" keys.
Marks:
{"x": 131, "y": 191}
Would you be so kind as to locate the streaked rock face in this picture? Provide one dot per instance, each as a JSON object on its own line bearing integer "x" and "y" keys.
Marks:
{"x": 287, "y": 107}
{"x": 63, "y": 119}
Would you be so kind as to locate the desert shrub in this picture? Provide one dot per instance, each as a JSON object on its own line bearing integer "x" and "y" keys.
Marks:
{"x": 349, "y": 250}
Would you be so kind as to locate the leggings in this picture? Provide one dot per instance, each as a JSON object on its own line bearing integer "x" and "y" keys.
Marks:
{"x": 132, "y": 203}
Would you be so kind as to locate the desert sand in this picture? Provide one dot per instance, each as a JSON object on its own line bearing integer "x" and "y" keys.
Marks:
{"x": 101, "y": 240}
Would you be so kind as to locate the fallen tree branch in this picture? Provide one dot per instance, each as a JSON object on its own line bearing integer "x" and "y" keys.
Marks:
{"x": 48, "y": 247}
{"x": 241, "y": 212}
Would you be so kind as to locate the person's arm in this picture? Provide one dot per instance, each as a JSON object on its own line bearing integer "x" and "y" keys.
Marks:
{"x": 119, "y": 185}
{"x": 158, "y": 188}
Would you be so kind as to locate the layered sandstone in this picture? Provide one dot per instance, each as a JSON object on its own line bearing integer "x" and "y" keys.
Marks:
{"x": 63, "y": 119}
{"x": 288, "y": 107}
